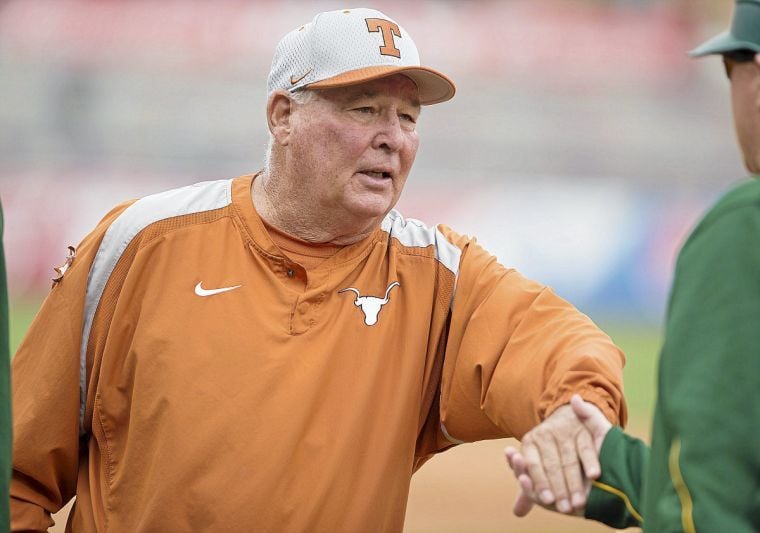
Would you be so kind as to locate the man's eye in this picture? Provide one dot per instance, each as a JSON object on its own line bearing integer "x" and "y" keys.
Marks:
{"x": 364, "y": 110}
{"x": 408, "y": 118}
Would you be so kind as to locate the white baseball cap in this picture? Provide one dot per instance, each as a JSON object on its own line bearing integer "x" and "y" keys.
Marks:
{"x": 350, "y": 46}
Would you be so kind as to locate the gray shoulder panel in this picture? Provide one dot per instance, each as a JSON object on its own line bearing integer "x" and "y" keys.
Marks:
{"x": 197, "y": 198}
{"x": 412, "y": 232}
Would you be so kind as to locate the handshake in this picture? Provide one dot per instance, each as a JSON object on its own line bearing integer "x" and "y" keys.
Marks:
{"x": 559, "y": 459}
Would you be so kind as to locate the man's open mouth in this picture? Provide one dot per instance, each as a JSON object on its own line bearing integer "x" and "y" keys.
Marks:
{"x": 377, "y": 173}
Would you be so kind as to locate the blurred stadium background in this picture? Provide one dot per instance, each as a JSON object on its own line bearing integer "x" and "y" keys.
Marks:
{"x": 581, "y": 146}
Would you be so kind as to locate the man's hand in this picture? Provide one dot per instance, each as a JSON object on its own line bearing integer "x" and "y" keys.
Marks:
{"x": 553, "y": 453}
{"x": 526, "y": 497}
{"x": 594, "y": 420}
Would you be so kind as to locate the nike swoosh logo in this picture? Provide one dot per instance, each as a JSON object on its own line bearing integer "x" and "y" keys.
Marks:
{"x": 294, "y": 80}
{"x": 200, "y": 291}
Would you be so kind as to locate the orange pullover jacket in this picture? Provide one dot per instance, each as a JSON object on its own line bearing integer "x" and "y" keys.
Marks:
{"x": 185, "y": 375}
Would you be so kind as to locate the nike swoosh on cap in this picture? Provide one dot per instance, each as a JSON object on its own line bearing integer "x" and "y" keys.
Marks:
{"x": 294, "y": 80}
{"x": 200, "y": 291}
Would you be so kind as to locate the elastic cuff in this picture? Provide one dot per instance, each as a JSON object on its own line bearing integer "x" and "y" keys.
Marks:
{"x": 596, "y": 395}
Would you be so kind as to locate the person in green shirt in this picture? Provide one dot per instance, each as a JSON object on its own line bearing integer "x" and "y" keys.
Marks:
{"x": 6, "y": 441}
{"x": 702, "y": 472}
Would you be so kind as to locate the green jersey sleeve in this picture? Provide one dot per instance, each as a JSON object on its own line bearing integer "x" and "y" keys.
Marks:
{"x": 615, "y": 498}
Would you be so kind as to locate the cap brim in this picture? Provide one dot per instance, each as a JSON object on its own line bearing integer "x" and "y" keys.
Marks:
{"x": 433, "y": 86}
{"x": 720, "y": 44}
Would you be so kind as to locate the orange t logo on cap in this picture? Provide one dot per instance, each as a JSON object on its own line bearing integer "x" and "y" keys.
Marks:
{"x": 388, "y": 29}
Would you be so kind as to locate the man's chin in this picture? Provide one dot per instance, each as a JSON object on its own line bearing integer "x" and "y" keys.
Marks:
{"x": 371, "y": 208}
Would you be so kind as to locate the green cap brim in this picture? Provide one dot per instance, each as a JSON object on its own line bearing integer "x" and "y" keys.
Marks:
{"x": 744, "y": 34}
{"x": 720, "y": 44}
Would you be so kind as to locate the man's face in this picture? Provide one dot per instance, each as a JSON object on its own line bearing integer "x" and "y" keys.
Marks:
{"x": 352, "y": 147}
{"x": 745, "y": 100}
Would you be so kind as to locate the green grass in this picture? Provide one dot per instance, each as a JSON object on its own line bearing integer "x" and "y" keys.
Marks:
{"x": 641, "y": 345}
{"x": 21, "y": 315}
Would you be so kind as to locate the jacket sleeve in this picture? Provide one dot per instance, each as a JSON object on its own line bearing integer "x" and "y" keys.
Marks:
{"x": 705, "y": 466}
{"x": 616, "y": 497}
{"x": 516, "y": 352}
{"x": 46, "y": 397}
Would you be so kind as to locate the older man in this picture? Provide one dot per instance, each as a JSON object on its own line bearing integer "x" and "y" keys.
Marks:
{"x": 703, "y": 471}
{"x": 281, "y": 351}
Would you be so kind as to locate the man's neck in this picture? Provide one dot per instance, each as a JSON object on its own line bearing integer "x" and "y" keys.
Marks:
{"x": 290, "y": 212}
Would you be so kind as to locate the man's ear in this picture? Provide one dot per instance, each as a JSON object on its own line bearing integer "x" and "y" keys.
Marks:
{"x": 280, "y": 109}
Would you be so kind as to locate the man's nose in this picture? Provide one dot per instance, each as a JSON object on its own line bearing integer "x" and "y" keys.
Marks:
{"x": 390, "y": 136}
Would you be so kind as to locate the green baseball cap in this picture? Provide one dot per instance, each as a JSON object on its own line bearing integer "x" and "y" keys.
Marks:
{"x": 744, "y": 33}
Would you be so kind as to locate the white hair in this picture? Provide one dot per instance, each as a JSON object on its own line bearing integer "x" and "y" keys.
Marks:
{"x": 300, "y": 97}
{"x": 303, "y": 96}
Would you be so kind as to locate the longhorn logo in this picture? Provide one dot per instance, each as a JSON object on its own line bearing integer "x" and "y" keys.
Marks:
{"x": 371, "y": 305}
